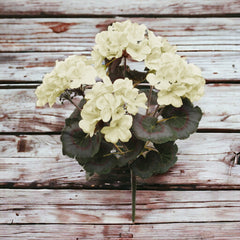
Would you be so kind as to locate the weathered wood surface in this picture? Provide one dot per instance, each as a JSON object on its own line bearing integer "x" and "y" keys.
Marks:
{"x": 30, "y": 155}
{"x": 20, "y": 114}
{"x": 31, "y": 67}
{"x": 114, "y": 207}
{"x": 124, "y": 7}
{"x": 205, "y": 161}
{"x": 163, "y": 231}
{"x": 77, "y": 34}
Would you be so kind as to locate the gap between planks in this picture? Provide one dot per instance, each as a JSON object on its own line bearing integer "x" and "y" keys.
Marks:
{"x": 124, "y": 7}
{"x": 30, "y": 67}
{"x": 169, "y": 231}
{"x": 20, "y": 114}
{"x": 36, "y": 161}
{"x": 114, "y": 207}
{"x": 218, "y": 34}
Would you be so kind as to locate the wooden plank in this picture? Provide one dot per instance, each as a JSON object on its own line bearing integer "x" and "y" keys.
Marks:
{"x": 204, "y": 162}
{"x": 114, "y": 207}
{"x": 124, "y": 7}
{"x": 77, "y": 34}
{"x": 19, "y": 113}
{"x": 173, "y": 231}
{"x": 30, "y": 67}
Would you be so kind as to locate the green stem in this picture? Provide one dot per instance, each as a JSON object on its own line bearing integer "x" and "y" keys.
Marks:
{"x": 156, "y": 111}
{"x": 125, "y": 66}
{"x": 149, "y": 99}
{"x": 133, "y": 189}
{"x": 73, "y": 103}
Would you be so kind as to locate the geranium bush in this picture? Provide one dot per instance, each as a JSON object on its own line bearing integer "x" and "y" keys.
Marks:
{"x": 126, "y": 117}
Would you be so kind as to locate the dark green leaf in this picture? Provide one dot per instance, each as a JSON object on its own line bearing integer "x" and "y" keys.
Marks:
{"x": 76, "y": 143}
{"x": 146, "y": 167}
{"x": 148, "y": 128}
{"x": 168, "y": 152}
{"x": 156, "y": 162}
{"x": 177, "y": 123}
{"x": 135, "y": 147}
{"x": 103, "y": 162}
{"x": 184, "y": 120}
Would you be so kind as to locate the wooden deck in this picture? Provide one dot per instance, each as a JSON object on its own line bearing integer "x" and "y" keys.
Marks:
{"x": 45, "y": 195}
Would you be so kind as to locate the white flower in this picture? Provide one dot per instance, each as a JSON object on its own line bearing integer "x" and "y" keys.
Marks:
{"x": 158, "y": 46}
{"x": 152, "y": 59}
{"x": 175, "y": 78}
{"x": 112, "y": 103}
{"x": 98, "y": 60}
{"x": 118, "y": 130}
{"x": 70, "y": 73}
{"x": 154, "y": 41}
{"x": 121, "y": 26}
{"x": 90, "y": 117}
{"x": 76, "y": 70}
{"x": 136, "y": 33}
{"x": 111, "y": 44}
{"x": 120, "y": 37}
{"x": 130, "y": 96}
{"x": 51, "y": 88}
{"x": 138, "y": 51}
{"x": 167, "y": 98}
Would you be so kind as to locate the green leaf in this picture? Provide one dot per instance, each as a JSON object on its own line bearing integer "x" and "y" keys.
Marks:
{"x": 145, "y": 167}
{"x": 168, "y": 153}
{"x": 135, "y": 147}
{"x": 77, "y": 144}
{"x": 184, "y": 120}
{"x": 156, "y": 162}
{"x": 148, "y": 128}
{"x": 103, "y": 162}
{"x": 177, "y": 123}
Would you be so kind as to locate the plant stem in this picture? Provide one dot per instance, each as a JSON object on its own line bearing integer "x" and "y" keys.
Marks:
{"x": 110, "y": 62}
{"x": 118, "y": 148}
{"x": 70, "y": 100}
{"x": 149, "y": 98}
{"x": 156, "y": 111}
{"x": 133, "y": 190}
{"x": 125, "y": 66}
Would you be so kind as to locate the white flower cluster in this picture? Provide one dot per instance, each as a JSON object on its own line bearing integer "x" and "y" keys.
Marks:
{"x": 112, "y": 103}
{"x": 115, "y": 103}
{"x": 134, "y": 39}
{"x": 175, "y": 78}
{"x": 170, "y": 74}
{"x": 70, "y": 73}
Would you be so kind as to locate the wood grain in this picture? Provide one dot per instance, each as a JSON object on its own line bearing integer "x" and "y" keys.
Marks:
{"x": 77, "y": 34}
{"x": 164, "y": 231}
{"x": 33, "y": 35}
{"x": 19, "y": 113}
{"x": 31, "y": 67}
{"x": 114, "y": 207}
{"x": 36, "y": 161}
{"x": 124, "y": 7}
